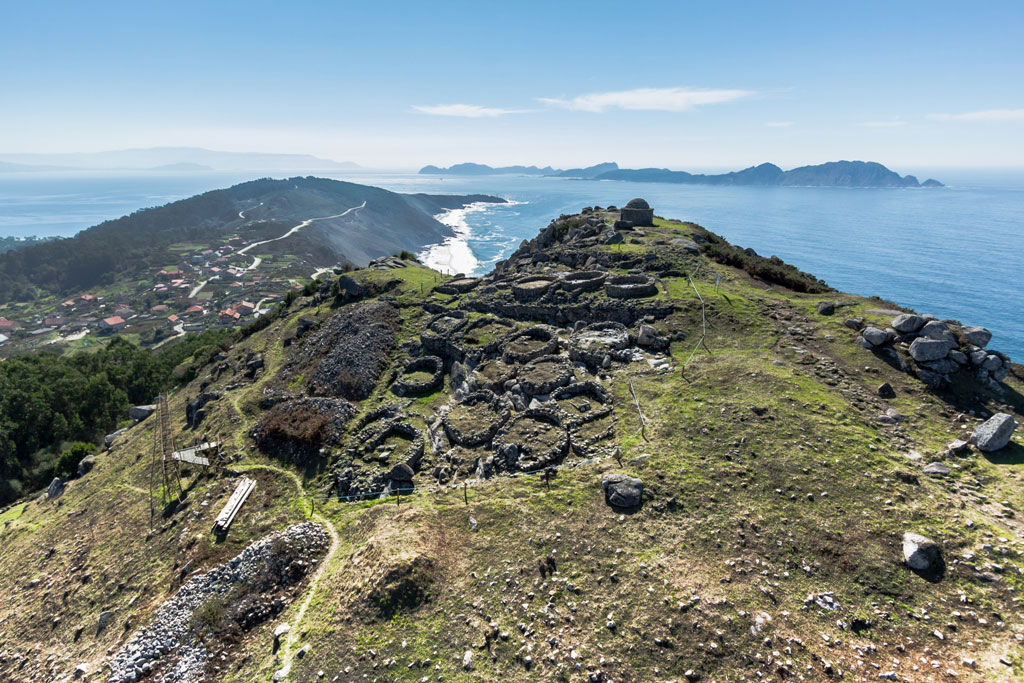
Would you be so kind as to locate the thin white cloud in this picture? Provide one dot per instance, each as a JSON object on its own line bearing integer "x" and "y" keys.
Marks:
{"x": 983, "y": 115}
{"x": 778, "y": 124}
{"x": 894, "y": 123}
{"x": 647, "y": 99}
{"x": 466, "y": 111}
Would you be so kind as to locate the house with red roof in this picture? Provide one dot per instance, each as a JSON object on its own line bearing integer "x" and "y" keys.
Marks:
{"x": 112, "y": 323}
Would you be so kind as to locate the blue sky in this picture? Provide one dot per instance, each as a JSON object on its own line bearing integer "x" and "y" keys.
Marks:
{"x": 401, "y": 84}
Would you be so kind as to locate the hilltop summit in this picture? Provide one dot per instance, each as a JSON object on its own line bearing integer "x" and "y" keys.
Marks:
{"x": 627, "y": 454}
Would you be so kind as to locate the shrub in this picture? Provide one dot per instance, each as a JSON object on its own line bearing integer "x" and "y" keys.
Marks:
{"x": 67, "y": 463}
{"x": 772, "y": 269}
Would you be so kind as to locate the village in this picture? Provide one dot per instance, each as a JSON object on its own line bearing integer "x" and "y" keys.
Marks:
{"x": 209, "y": 288}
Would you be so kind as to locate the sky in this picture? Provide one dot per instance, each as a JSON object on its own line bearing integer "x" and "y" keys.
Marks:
{"x": 402, "y": 84}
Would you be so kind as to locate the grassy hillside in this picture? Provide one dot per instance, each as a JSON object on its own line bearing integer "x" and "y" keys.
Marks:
{"x": 777, "y": 488}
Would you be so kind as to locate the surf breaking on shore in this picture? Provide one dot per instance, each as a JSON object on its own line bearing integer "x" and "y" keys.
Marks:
{"x": 454, "y": 254}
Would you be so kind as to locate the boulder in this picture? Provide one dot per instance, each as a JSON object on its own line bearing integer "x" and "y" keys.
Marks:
{"x": 648, "y": 337}
{"x": 55, "y": 488}
{"x": 826, "y": 308}
{"x": 958, "y": 447}
{"x": 349, "y": 288}
{"x": 978, "y": 356}
{"x": 936, "y": 468}
{"x": 104, "y": 619}
{"x": 622, "y": 491}
{"x": 994, "y": 433}
{"x": 958, "y": 357}
{"x": 876, "y": 336}
{"x": 943, "y": 366}
{"x": 930, "y": 378}
{"x": 921, "y": 553}
{"x": 936, "y": 329}
{"x": 86, "y": 464}
{"x": 140, "y": 413}
{"x": 854, "y": 323}
{"x": 907, "y": 323}
{"x": 992, "y": 362}
{"x": 978, "y": 336}
{"x": 109, "y": 439}
{"x": 925, "y": 349}
{"x": 400, "y": 472}
{"x": 885, "y": 390}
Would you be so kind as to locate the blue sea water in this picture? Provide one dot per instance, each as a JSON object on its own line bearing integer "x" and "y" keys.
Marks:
{"x": 956, "y": 252}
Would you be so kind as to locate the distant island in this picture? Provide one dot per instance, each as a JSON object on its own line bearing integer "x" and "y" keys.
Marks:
{"x": 484, "y": 169}
{"x": 831, "y": 174}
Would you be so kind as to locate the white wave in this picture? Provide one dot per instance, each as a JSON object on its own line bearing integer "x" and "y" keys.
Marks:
{"x": 454, "y": 255}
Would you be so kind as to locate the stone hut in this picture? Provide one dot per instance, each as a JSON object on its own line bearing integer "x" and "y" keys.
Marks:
{"x": 638, "y": 212}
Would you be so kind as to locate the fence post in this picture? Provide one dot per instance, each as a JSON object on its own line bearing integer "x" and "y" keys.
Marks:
{"x": 465, "y": 493}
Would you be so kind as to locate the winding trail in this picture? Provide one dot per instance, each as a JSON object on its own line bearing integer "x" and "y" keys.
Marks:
{"x": 257, "y": 260}
{"x": 286, "y": 654}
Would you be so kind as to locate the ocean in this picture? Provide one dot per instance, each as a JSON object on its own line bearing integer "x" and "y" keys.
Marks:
{"x": 956, "y": 252}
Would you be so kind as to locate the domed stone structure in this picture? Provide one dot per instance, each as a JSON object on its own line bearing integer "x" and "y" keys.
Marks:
{"x": 638, "y": 212}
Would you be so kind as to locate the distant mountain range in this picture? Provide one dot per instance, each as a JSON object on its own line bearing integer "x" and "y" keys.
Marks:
{"x": 831, "y": 174}
{"x": 176, "y": 159}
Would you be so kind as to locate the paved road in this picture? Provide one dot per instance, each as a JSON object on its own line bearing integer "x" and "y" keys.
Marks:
{"x": 257, "y": 260}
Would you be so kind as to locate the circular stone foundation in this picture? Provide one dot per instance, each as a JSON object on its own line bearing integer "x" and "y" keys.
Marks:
{"x": 582, "y": 402}
{"x": 378, "y": 435}
{"x": 419, "y": 376}
{"x": 533, "y": 286}
{"x": 530, "y": 441}
{"x": 476, "y": 419}
{"x": 485, "y": 334}
{"x": 599, "y": 340}
{"x": 583, "y": 281}
{"x": 440, "y": 328}
{"x": 524, "y": 346}
{"x": 630, "y": 286}
{"x": 544, "y": 375}
{"x": 493, "y": 374}
{"x": 458, "y": 285}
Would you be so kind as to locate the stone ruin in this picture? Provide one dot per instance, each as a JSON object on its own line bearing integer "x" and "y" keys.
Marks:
{"x": 637, "y": 213}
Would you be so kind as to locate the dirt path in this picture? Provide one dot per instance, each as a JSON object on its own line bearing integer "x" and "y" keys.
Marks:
{"x": 286, "y": 654}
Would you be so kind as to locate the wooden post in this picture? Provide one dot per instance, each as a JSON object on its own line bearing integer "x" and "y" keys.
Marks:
{"x": 465, "y": 493}
{"x": 398, "y": 497}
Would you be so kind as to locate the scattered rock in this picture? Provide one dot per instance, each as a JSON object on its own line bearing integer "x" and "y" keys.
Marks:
{"x": 936, "y": 468}
{"x": 55, "y": 488}
{"x": 907, "y": 323}
{"x": 994, "y": 433}
{"x": 924, "y": 349}
{"x": 885, "y": 390}
{"x": 826, "y": 308}
{"x": 920, "y": 552}
{"x": 978, "y": 336}
{"x": 622, "y": 491}
{"x": 140, "y": 413}
{"x": 875, "y": 336}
